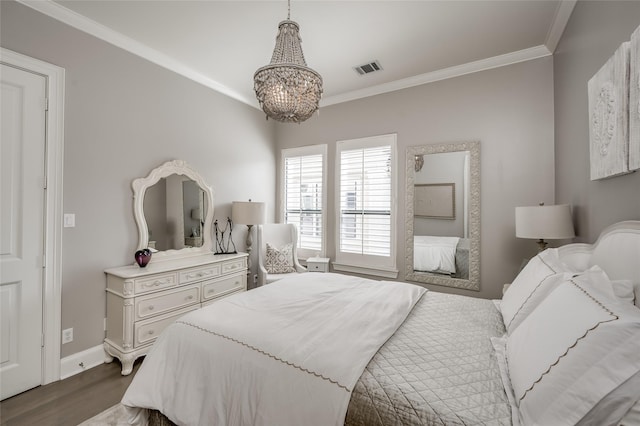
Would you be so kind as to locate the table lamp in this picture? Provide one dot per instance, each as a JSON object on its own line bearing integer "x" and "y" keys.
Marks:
{"x": 248, "y": 213}
{"x": 544, "y": 222}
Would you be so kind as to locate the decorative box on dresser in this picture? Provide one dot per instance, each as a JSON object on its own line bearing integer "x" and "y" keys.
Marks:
{"x": 141, "y": 302}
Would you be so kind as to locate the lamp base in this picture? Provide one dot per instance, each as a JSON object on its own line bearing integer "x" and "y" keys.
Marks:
{"x": 542, "y": 245}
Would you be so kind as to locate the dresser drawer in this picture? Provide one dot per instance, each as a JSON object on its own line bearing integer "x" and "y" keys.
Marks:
{"x": 147, "y": 331}
{"x": 223, "y": 286}
{"x": 155, "y": 304}
{"x": 194, "y": 275}
{"x": 155, "y": 282}
{"x": 233, "y": 266}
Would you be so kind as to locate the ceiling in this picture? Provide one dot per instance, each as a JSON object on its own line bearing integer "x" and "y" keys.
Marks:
{"x": 222, "y": 43}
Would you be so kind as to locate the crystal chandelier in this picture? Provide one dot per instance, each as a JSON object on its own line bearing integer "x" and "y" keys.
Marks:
{"x": 288, "y": 90}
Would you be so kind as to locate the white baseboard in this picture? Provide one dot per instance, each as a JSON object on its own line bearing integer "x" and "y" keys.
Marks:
{"x": 81, "y": 361}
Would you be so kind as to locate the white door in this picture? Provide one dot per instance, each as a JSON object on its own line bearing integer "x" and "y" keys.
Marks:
{"x": 21, "y": 229}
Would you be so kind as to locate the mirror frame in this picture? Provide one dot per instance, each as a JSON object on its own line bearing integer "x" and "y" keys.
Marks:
{"x": 473, "y": 283}
{"x": 140, "y": 186}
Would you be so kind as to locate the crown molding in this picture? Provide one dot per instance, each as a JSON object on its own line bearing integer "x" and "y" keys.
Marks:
{"x": 89, "y": 26}
{"x": 82, "y": 23}
{"x": 560, "y": 20}
{"x": 443, "y": 74}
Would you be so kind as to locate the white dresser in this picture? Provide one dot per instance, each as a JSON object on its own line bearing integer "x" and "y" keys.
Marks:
{"x": 141, "y": 302}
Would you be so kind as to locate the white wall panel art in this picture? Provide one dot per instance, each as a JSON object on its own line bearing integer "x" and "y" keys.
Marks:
{"x": 608, "y": 93}
{"x": 634, "y": 102}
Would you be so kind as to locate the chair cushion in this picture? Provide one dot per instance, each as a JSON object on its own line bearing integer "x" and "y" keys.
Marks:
{"x": 279, "y": 261}
{"x": 271, "y": 278}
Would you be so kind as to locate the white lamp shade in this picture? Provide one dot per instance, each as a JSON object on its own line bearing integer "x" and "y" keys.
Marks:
{"x": 248, "y": 212}
{"x": 544, "y": 222}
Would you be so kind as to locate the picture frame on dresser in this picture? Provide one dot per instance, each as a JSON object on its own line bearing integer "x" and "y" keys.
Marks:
{"x": 181, "y": 276}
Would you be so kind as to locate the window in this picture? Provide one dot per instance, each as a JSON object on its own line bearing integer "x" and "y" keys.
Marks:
{"x": 366, "y": 205}
{"x": 303, "y": 196}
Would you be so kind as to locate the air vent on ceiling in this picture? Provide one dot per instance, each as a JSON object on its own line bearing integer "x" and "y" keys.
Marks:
{"x": 368, "y": 68}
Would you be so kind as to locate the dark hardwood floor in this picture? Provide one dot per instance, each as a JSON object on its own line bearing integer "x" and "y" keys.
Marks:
{"x": 68, "y": 402}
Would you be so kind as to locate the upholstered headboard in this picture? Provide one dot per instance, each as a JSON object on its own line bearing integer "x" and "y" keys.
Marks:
{"x": 617, "y": 252}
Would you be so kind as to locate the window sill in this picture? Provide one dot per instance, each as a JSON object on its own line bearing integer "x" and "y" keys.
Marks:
{"x": 366, "y": 270}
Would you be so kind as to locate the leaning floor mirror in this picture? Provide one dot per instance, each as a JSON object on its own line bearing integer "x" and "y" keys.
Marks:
{"x": 443, "y": 215}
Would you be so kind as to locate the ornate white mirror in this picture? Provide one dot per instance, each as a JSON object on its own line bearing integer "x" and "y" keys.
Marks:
{"x": 443, "y": 215}
{"x": 173, "y": 208}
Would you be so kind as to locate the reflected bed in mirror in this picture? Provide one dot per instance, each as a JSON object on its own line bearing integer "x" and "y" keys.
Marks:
{"x": 443, "y": 211}
{"x": 173, "y": 208}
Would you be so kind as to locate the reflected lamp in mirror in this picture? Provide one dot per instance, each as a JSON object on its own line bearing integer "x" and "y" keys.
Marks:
{"x": 248, "y": 213}
{"x": 544, "y": 222}
{"x": 419, "y": 162}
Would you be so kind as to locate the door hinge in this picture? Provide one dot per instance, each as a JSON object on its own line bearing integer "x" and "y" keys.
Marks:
{"x": 44, "y": 261}
{"x": 42, "y": 340}
{"x": 46, "y": 104}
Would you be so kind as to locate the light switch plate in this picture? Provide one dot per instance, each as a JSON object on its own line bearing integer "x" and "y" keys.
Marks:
{"x": 69, "y": 220}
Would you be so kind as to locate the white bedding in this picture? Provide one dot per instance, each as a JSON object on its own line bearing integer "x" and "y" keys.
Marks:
{"x": 288, "y": 353}
{"x": 437, "y": 254}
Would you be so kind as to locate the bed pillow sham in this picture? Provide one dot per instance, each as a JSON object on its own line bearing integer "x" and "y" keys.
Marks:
{"x": 624, "y": 290}
{"x": 573, "y": 352}
{"x": 538, "y": 278}
{"x": 279, "y": 261}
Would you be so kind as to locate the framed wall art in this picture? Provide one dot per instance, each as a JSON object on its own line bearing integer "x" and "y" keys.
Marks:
{"x": 608, "y": 93}
{"x": 634, "y": 101}
{"x": 435, "y": 200}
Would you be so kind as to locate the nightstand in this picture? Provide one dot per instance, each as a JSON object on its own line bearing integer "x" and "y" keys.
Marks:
{"x": 318, "y": 264}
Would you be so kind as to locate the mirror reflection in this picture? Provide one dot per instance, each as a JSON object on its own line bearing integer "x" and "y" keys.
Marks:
{"x": 443, "y": 203}
{"x": 440, "y": 224}
{"x": 174, "y": 210}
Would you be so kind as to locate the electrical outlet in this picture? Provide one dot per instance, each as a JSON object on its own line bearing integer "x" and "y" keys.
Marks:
{"x": 67, "y": 335}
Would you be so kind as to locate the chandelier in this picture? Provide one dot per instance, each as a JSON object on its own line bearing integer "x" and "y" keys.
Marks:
{"x": 287, "y": 90}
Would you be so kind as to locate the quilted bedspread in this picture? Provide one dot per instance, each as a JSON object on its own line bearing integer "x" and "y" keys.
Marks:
{"x": 437, "y": 369}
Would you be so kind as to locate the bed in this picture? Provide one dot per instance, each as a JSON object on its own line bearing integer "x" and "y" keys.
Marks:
{"x": 420, "y": 357}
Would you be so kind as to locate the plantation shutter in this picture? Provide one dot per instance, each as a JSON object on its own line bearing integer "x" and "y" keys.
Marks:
{"x": 365, "y": 201}
{"x": 303, "y": 179}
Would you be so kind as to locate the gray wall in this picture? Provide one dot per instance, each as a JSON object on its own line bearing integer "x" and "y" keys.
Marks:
{"x": 443, "y": 168}
{"x": 123, "y": 117}
{"x": 509, "y": 110}
{"x": 595, "y": 30}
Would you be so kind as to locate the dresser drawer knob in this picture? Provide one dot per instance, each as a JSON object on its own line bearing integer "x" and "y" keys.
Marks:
{"x": 156, "y": 283}
{"x": 150, "y": 331}
{"x": 190, "y": 297}
{"x": 150, "y": 307}
{"x": 199, "y": 274}
{"x": 210, "y": 291}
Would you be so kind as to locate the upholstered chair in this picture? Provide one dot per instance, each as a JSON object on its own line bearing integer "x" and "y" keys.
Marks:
{"x": 281, "y": 259}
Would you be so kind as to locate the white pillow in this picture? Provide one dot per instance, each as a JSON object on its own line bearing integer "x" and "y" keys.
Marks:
{"x": 624, "y": 290}
{"x": 537, "y": 279}
{"x": 573, "y": 351}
